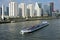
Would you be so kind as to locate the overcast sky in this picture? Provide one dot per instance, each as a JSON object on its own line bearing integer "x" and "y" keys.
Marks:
{"x": 56, "y": 2}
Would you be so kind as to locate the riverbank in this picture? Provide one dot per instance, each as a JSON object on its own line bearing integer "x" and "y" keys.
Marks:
{"x": 31, "y": 19}
{"x": 14, "y": 20}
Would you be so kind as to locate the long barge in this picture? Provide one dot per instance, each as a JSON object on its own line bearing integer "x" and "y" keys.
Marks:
{"x": 34, "y": 28}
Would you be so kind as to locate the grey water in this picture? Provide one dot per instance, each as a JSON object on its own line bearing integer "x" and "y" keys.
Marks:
{"x": 11, "y": 31}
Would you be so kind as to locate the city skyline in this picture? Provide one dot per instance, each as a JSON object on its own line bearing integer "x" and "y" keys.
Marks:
{"x": 56, "y": 2}
{"x": 15, "y": 9}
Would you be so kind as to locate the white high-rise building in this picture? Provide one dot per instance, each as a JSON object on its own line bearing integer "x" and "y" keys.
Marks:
{"x": 37, "y": 9}
{"x": 31, "y": 9}
{"x": 3, "y": 11}
{"x": 13, "y": 9}
{"x": 22, "y": 7}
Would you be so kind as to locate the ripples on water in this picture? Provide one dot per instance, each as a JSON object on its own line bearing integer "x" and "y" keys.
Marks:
{"x": 11, "y": 31}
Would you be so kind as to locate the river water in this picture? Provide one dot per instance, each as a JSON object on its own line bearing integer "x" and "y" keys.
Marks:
{"x": 11, "y": 31}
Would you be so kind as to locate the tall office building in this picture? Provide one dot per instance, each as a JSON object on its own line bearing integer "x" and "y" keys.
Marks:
{"x": 37, "y": 9}
{"x": 13, "y": 9}
{"x": 46, "y": 10}
{"x": 0, "y": 10}
{"x": 22, "y": 10}
{"x": 7, "y": 10}
{"x": 3, "y": 10}
{"x": 51, "y": 8}
{"x": 30, "y": 10}
{"x": 42, "y": 12}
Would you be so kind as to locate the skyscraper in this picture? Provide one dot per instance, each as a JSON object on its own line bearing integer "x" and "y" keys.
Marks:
{"x": 51, "y": 8}
{"x": 46, "y": 10}
{"x": 0, "y": 10}
{"x": 3, "y": 10}
{"x": 42, "y": 12}
{"x": 31, "y": 9}
{"x": 7, "y": 11}
{"x": 13, "y": 9}
{"x": 38, "y": 9}
{"x": 22, "y": 8}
